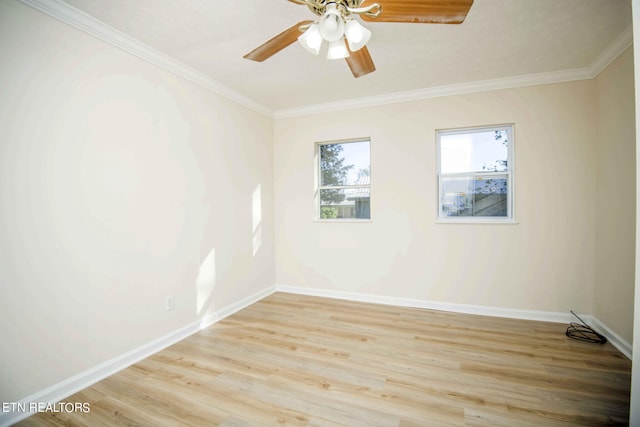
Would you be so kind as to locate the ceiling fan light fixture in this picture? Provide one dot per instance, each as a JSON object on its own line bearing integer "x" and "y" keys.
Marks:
{"x": 337, "y": 50}
{"x": 351, "y": 43}
{"x": 332, "y": 24}
{"x": 357, "y": 35}
{"x": 311, "y": 39}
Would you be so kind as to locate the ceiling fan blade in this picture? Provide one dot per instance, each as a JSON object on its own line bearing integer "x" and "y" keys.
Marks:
{"x": 360, "y": 62}
{"x": 420, "y": 11}
{"x": 277, "y": 43}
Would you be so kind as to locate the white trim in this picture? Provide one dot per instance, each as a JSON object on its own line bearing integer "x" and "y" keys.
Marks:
{"x": 65, "y": 388}
{"x": 616, "y": 340}
{"x": 615, "y": 49}
{"x": 439, "y": 91}
{"x": 70, "y": 15}
{"x": 64, "y": 12}
{"x": 475, "y": 220}
{"x": 343, "y": 221}
{"x": 544, "y": 316}
{"x": 91, "y": 376}
{"x": 227, "y": 311}
{"x": 511, "y": 313}
{"x": 509, "y": 173}
{"x": 318, "y": 180}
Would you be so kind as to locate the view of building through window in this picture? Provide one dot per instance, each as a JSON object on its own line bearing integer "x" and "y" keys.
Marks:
{"x": 345, "y": 180}
{"x": 475, "y": 172}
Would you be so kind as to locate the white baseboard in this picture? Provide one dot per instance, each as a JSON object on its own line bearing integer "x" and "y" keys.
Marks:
{"x": 63, "y": 389}
{"x": 227, "y": 311}
{"x": 616, "y": 340}
{"x": 544, "y": 316}
{"x": 91, "y": 376}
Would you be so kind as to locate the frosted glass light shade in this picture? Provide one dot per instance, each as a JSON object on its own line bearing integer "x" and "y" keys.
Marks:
{"x": 357, "y": 35}
{"x": 311, "y": 39}
{"x": 337, "y": 50}
{"x": 331, "y": 24}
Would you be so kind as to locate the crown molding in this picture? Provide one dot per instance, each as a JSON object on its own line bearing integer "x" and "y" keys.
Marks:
{"x": 440, "y": 91}
{"x": 615, "y": 49}
{"x": 68, "y": 14}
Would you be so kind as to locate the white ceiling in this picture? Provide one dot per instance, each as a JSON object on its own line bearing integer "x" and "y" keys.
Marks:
{"x": 500, "y": 39}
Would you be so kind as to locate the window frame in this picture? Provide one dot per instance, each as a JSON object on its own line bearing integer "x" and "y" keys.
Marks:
{"x": 318, "y": 181}
{"x": 510, "y": 173}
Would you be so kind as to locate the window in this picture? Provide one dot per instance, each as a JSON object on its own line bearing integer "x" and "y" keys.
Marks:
{"x": 475, "y": 174}
{"x": 344, "y": 180}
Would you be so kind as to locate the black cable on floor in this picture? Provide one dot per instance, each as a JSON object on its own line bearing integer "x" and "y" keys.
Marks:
{"x": 583, "y": 332}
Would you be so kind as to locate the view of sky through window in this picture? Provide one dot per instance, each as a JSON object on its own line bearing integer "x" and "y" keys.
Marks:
{"x": 356, "y": 154}
{"x": 474, "y": 152}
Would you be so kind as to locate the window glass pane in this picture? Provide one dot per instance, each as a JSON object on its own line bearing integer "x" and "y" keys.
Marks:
{"x": 345, "y": 164}
{"x": 475, "y": 196}
{"x": 478, "y": 151}
{"x": 345, "y": 203}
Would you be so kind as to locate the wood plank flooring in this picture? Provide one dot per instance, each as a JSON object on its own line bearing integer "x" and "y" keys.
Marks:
{"x": 309, "y": 361}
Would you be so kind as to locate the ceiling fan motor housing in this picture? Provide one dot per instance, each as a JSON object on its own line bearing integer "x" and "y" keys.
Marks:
{"x": 319, "y": 7}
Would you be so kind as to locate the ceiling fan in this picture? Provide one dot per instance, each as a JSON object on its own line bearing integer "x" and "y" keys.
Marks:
{"x": 339, "y": 35}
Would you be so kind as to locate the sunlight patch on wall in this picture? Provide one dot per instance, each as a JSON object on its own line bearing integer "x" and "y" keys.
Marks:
{"x": 257, "y": 219}
{"x": 206, "y": 282}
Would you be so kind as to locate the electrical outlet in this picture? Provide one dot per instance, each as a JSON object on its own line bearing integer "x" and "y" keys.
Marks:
{"x": 169, "y": 303}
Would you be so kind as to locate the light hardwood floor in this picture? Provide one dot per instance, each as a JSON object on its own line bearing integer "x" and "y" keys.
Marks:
{"x": 308, "y": 361}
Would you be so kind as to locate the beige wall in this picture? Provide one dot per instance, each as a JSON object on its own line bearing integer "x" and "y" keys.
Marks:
{"x": 119, "y": 184}
{"x": 545, "y": 262}
{"x": 615, "y": 214}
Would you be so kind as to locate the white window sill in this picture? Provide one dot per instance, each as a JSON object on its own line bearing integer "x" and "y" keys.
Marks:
{"x": 344, "y": 221}
{"x": 477, "y": 221}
